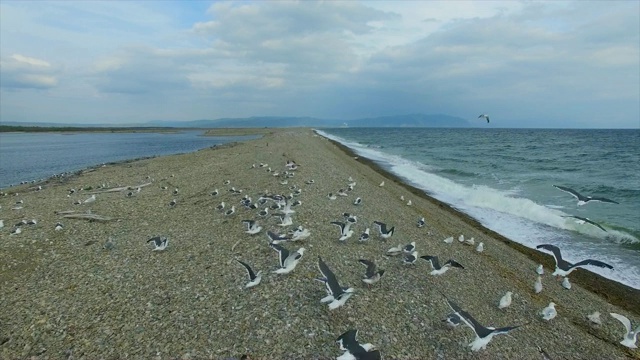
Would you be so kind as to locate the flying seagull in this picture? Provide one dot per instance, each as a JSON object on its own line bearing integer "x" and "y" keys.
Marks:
{"x": 337, "y": 294}
{"x": 254, "y": 279}
{"x": 582, "y": 220}
{"x": 345, "y": 230}
{"x": 485, "y": 116}
{"x": 252, "y": 227}
{"x": 563, "y": 267}
{"x": 384, "y": 232}
{"x": 435, "y": 265}
{"x": 287, "y": 261}
{"x": 631, "y": 336}
{"x": 348, "y": 343}
{"x": 583, "y": 199}
{"x": 371, "y": 276}
{"x": 483, "y": 334}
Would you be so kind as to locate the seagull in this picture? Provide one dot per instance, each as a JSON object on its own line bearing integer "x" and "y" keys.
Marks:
{"x": 480, "y": 247}
{"x": 461, "y": 238}
{"x": 172, "y": 203}
{"x": 300, "y": 234}
{"x": 538, "y": 285}
{"x": 566, "y": 284}
{"x": 364, "y": 236}
{"x": 160, "y": 243}
{"x": 287, "y": 261}
{"x": 90, "y": 200}
{"x": 231, "y": 211}
{"x": 227, "y": 182}
{"x": 483, "y": 334}
{"x": 276, "y": 238}
{"x": 345, "y": 230}
{"x": 409, "y": 203}
{"x": 549, "y": 312}
{"x": 384, "y": 232}
{"x": 357, "y": 201}
{"x": 563, "y": 267}
{"x": 371, "y": 276}
{"x": 338, "y": 294}
{"x": 353, "y": 350}
{"x": 16, "y": 231}
{"x": 285, "y": 220}
{"x": 540, "y": 270}
{"x": 595, "y": 318}
{"x": 254, "y": 279}
{"x": 215, "y": 192}
{"x": 381, "y": 184}
{"x": 471, "y": 241}
{"x": 410, "y": 259}
{"x": 342, "y": 192}
{"x": 485, "y": 116}
{"x": 221, "y": 206}
{"x": 252, "y": 227}
{"x": 175, "y": 191}
{"x": 397, "y": 250}
{"x": 1, "y": 224}
{"x": 331, "y": 196}
{"x": 583, "y": 199}
{"x": 505, "y": 301}
{"x": 583, "y": 220}
{"x": 448, "y": 240}
{"x": 421, "y": 222}
{"x": 264, "y": 212}
{"x": 435, "y": 265}
{"x": 409, "y": 248}
{"x": 631, "y": 336}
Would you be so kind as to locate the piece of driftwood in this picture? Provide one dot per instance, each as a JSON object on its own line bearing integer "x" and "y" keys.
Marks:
{"x": 94, "y": 217}
{"x": 121, "y": 188}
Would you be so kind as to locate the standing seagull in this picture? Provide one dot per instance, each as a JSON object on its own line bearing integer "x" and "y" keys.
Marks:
{"x": 287, "y": 261}
{"x": 421, "y": 222}
{"x": 583, "y": 199}
{"x": 483, "y": 334}
{"x": 435, "y": 265}
{"x": 337, "y": 294}
{"x": 365, "y": 235}
{"x": 371, "y": 276}
{"x": 563, "y": 267}
{"x": 582, "y": 220}
{"x": 254, "y": 279}
{"x": 549, "y": 312}
{"x": 505, "y": 301}
{"x": 160, "y": 243}
{"x": 631, "y": 336}
{"x": 384, "y": 232}
{"x": 485, "y": 116}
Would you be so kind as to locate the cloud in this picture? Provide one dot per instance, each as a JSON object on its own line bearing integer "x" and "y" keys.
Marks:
{"x": 23, "y": 72}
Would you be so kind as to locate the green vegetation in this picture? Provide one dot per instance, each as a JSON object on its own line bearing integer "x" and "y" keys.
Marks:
{"x": 15, "y": 128}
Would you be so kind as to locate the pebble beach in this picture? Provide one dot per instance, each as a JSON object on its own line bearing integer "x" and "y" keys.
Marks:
{"x": 96, "y": 289}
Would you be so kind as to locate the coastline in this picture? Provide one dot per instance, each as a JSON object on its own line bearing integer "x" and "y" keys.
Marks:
{"x": 616, "y": 293}
{"x": 69, "y": 292}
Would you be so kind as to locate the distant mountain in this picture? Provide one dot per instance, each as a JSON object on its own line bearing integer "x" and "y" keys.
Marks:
{"x": 412, "y": 120}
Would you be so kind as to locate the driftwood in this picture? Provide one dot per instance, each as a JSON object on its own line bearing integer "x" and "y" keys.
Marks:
{"x": 90, "y": 217}
{"x": 122, "y": 188}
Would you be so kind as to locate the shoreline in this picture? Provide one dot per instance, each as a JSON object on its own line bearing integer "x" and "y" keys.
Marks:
{"x": 616, "y": 293}
{"x": 96, "y": 289}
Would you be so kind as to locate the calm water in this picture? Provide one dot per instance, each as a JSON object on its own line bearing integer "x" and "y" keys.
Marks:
{"x": 504, "y": 178}
{"x": 33, "y": 156}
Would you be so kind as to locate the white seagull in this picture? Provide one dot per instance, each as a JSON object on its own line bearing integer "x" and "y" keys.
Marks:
{"x": 537, "y": 287}
{"x": 631, "y": 336}
{"x": 563, "y": 267}
{"x": 505, "y": 301}
{"x": 549, "y": 312}
{"x": 364, "y": 236}
{"x": 90, "y": 200}
{"x": 254, "y": 278}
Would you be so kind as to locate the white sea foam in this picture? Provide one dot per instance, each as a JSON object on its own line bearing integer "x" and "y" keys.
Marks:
{"x": 517, "y": 218}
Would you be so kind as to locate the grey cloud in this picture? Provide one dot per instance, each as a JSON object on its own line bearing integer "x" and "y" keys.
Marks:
{"x": 23, "y": 72}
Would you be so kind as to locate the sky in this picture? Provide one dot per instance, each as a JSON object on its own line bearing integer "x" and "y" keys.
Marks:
{"x": 526, "y": 64}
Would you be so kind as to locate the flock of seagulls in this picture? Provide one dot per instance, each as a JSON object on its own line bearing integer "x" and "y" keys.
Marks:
{"x": 282, "y": 208}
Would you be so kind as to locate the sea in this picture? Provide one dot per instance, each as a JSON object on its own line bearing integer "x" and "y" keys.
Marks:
{"x": 36, "y": 156}
{"x": 504, "y": 179}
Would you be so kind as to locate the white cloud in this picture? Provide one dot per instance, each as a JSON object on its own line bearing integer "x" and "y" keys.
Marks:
{"x": 20, "y": 71}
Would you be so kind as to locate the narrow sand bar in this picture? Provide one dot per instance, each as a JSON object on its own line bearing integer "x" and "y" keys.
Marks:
{"x": 95, "y": 289}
